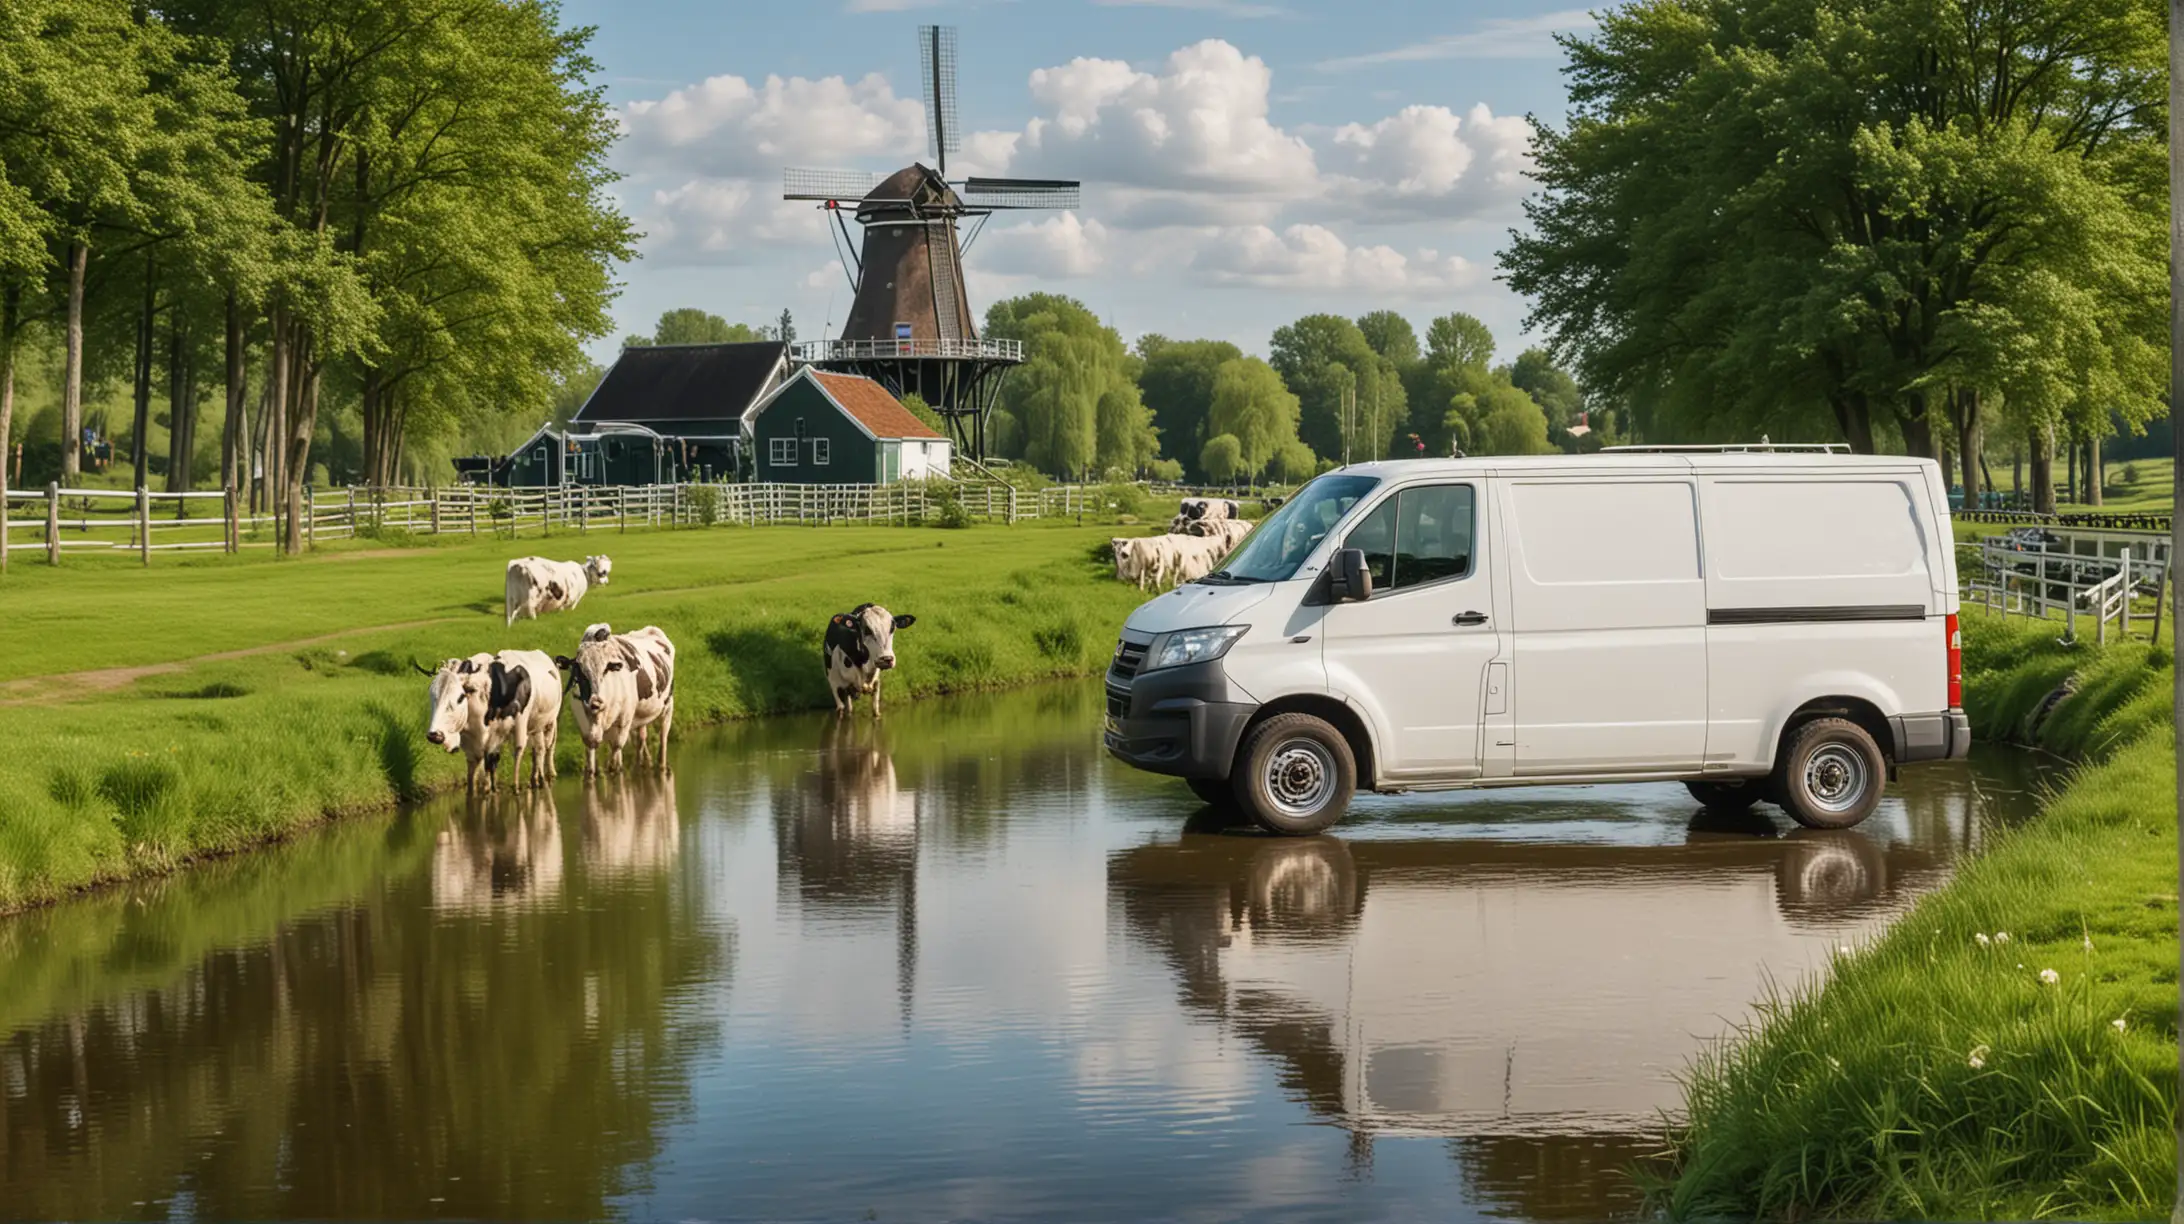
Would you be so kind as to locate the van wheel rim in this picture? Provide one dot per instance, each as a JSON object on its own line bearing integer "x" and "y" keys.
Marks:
{"x": 1835, "y": 778}
{"x": 1300, "y": 777}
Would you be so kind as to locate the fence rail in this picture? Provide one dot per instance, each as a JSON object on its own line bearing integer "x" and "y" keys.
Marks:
{"x": 2108, "y": 575}
{"x": 59, "y": 521}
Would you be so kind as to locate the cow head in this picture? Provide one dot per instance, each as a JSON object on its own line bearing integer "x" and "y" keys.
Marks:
{"x": 598, "y": 569}
{"x": 457, "y": 693}
{"x": 595, "y": 633}
{"x": 875, "y": 628}
{"x": 594, "y": 661}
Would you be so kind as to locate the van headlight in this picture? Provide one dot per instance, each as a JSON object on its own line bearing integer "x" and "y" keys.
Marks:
{"x": 1185, "y": 646}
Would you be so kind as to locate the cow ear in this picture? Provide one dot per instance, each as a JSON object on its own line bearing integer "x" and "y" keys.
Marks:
{"x": 564, "y": 662}
{"x": 904, "y": 622}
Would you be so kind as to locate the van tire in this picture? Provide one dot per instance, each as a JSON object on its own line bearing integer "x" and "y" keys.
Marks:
{"x": 1830, "y": 775}
{"x": 1215, "y": 792}
{"x": 1737, "y": 796}
{"x": 1294, "y": 775}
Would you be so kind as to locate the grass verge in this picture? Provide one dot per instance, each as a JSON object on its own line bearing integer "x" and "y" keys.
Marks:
{"x": 313, "y": 710}
{"x": 1939, "y": 1072}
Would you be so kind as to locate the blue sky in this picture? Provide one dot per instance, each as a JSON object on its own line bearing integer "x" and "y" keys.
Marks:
{"x": 1245, "y": 161}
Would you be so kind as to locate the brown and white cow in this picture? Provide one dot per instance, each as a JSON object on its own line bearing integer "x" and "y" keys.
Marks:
{"x": 860, "y": 644}
{"x": 485, "y": 704}
{"x": 537, "y": 585}
{"x": 623, "y": 684}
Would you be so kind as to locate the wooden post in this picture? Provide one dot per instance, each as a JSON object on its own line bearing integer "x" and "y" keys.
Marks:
{"x": 144, "y": 525}
{"x": 227, "y": 518}
{"x": 583, "y": 510}
{"x": 3, "y": 513}
{"x": 2161, "y": 591}
{"x": 435, "y": 495}
{"x": 2126, "y": 590}
{"x": 53, "y": 523}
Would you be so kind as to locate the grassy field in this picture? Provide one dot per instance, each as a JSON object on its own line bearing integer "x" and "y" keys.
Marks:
{"x": 1940, "y": 1073}
{"x": 157, "y": 716}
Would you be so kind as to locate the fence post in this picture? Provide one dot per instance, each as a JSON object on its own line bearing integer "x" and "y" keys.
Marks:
{"x": 144, "y": 525}
{"x": 310, "y": 516}
{"x": 2127, "y": 590}
{"x": 53, "y": 522}
{"x": 435, "y": 495}
{"x": 583, "y": 510}
{"x": 3, "y": 513}
{"x": 228, "y": 525}
{"x": 2161, "y": 584}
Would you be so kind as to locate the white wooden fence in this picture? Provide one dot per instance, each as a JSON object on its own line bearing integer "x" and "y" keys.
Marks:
{"x": 2109, "y": 576}
{"x": 57, "y": 521}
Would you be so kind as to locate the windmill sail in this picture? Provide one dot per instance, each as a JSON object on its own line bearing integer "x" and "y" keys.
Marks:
{"x": 998, "y": 193}
{"x": 937, "y": 65}
{"x": 802, "y": 184}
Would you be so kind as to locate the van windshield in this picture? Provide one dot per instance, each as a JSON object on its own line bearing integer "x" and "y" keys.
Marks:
{"x": 1274, "y": 550}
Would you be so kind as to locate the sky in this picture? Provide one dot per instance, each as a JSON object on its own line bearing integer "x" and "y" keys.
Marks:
{"x": 1245, "y": 161}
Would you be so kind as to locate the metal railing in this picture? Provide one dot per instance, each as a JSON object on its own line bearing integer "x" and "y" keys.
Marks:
{"x": 2110, "y": 576}
{"x": 870, "y": 350}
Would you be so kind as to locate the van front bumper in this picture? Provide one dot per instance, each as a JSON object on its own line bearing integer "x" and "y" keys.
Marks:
{"x": 1946, "y": 736}
{"x": 1181, "y": 721}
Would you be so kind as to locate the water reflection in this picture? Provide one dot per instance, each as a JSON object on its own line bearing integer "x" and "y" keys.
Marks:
{"x": 954, "y": 965}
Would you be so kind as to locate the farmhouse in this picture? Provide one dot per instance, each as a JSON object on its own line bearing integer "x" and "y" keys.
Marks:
{"x": 821, "y": 428}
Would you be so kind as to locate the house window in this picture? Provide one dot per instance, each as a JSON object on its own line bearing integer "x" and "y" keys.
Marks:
{"x": 781, "y": 452}
{"x": 821, "y": 452}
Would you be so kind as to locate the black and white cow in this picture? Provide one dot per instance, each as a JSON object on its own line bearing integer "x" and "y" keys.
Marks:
{"x": 1198, "y": 515}
{"x": 537, "y": 585}
{"x": 860, "y": 645}
{"x": 482, "y": 705}
{"x": 624, "y": 683}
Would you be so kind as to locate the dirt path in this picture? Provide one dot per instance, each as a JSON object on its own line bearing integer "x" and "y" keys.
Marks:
{"x": 34, "y": 690}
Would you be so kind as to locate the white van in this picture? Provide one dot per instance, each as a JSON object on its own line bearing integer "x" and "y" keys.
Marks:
{"x": 1777, "y": 626}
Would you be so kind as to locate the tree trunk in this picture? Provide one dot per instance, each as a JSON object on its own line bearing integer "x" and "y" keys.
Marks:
{"x": 181, "y": 412}
{"x": 276, "y": 416}
{"x": 1917, "y": 426}
{"x": 304, "y": 424}
{"x": 10, "y": 303}
{"x": 79, "y": 258}
{"x": 2042, "y": 445}
{"x": 2070, "y": 469}
{"x": 140, "y": 440}
{"x": 1964, "y": 414}
{"x": 2092, "y": 469}
{"x": 2017, "y": 469}
{"x": 234, "y": 443}
{"x": 1854, "y": 416}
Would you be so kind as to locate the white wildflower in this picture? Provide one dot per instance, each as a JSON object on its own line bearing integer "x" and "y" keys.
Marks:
{"x": 1980, "y": 938}
{"x": 2118, "y": 1022}
{"x": 1978, "y": 1058}
{"x": 2002, "y": 937}
{"x": 2048, "y": 977}
{"x": 2088, "y": 945}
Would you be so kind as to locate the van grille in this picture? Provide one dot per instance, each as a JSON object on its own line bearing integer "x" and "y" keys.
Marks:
{"x": 1129, "y": 656}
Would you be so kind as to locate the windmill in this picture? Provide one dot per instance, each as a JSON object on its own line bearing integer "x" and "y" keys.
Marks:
{"x": 910, "y": 325}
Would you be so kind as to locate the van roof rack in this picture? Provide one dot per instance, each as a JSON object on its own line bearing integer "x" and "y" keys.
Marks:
{"x": 1732, "y": 448}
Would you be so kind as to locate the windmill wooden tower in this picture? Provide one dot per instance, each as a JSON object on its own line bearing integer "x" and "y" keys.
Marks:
{"x": 910, "y": 325}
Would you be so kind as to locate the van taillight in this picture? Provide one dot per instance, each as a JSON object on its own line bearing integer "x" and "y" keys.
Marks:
{"x": 1956, "y": 664}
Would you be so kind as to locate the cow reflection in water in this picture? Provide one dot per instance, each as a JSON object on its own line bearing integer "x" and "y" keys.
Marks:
{"x": 846, "y": 841}
{"x": 501, "y": 851}
{"x": 630, "y": 824}
{"x": 1424, "y": 979}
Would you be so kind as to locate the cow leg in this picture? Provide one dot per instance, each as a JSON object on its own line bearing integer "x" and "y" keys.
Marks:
{"x": 876, "y": 677}
{"x": 553, "y": 745}
{"x": 667, "y": 723}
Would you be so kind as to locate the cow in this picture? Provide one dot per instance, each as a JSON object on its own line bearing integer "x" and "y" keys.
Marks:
{"x": 860, "y": 644}
{"x": 1138, "y": 559}
{"x": 623, "y": 684}
{"x": 481, "y": 705}
{"x": 537, "y": 586}
{"x": 1197, "y": 516}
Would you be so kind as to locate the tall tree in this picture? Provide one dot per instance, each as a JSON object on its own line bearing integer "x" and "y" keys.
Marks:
{"x": 1074, "y": 404}
{"x": 690, "y": 325}
{"x": 1251, "y": 404}
{"x": 1797, "y": 218}
{"x": 1352, "y": 399}
{"x": 1535, "y": 373}
{"x": 1391, "y": 335}
{"x": 1177, "y": 385}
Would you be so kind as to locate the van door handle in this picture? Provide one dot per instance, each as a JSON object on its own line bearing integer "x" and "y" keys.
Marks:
{"x": 1468, "y": 618}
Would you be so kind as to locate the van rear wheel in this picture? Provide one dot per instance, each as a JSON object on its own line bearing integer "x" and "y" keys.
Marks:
{"x": 1830, "y": 774}
{"x": 1295, "y": 775}
{"x": 1726, "y": 796}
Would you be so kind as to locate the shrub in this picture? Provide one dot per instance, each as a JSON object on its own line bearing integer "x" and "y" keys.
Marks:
{"x": 704, "y": 502}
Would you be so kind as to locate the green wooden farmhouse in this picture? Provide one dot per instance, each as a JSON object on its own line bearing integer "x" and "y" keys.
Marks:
{"x": 821, "y": 428}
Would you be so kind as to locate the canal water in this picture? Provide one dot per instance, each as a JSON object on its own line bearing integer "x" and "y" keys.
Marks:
{"x": 958, "y": 965}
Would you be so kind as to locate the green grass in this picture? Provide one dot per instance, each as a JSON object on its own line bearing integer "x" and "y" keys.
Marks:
{"x": 204, "y": 756}
{"x": 1859, "y": 1097}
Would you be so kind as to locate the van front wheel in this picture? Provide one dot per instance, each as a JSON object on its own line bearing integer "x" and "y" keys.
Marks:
{"x": 1295, "y": 775}
{"x": 1830, "y": 775}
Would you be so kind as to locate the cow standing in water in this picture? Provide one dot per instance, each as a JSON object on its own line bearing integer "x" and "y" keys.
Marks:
{"x": 537, "y": 586}
{"x": 624, "y": 683}
{"x": 860, "y": 645}
{"x": 482, "y": 705}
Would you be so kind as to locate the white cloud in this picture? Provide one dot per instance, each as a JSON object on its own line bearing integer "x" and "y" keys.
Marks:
{"x": 725, "y": 126}
{"x": 724, "y": 221}
{"x": 1199, "y": 123}
{"x": 1495, "y": 38}
{"x": 1062, "y": 247}
{"x": 1427, "y": 159}
{"x": 1315, "y": 258}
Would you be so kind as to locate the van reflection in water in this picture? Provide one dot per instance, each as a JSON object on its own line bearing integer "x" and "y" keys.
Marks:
{"x": 1447, "y": 978}
{"x": 502, "y": 850}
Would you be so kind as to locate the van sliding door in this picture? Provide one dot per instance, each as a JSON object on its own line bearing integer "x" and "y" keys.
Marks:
{"x": 1610, "y": 671}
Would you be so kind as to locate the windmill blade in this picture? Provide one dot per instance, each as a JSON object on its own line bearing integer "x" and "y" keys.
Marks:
{"x": 1019, "y": 193}
{"x": 852, "y": 185}
{"x": 937, "y": 64}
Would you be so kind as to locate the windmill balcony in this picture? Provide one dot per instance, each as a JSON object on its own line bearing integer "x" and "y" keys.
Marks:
{"x": 867, "y": 350}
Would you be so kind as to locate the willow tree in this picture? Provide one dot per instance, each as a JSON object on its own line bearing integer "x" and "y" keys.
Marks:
{"x": 1074, "y": 405}
{"x": 1772, "y": 214}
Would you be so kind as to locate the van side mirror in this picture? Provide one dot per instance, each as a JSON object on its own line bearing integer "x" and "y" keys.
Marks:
{"x": 1348, "y": 579}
